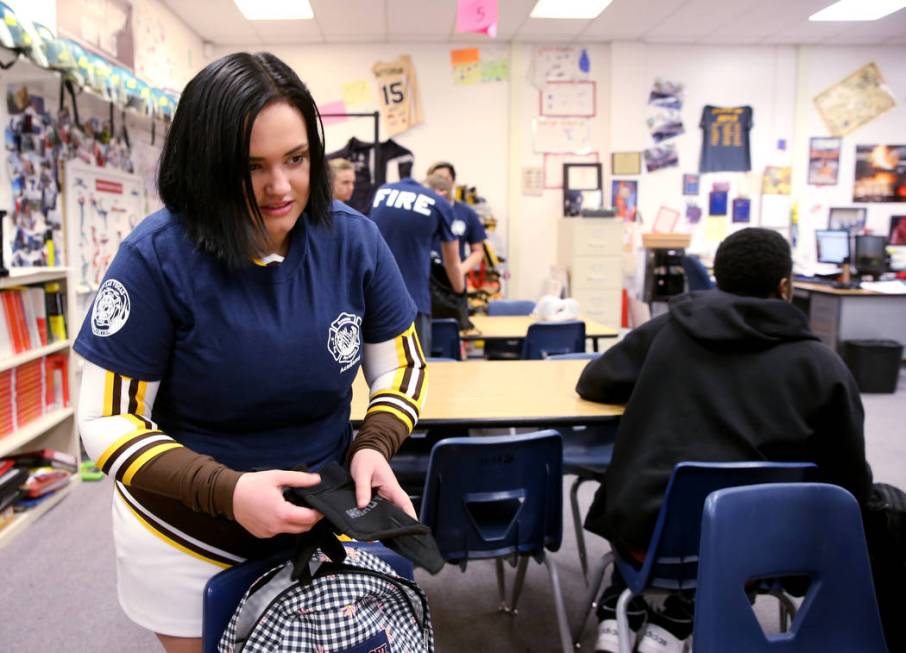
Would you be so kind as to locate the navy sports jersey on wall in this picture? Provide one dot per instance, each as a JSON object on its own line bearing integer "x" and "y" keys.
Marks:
{"x": 725, "y": 139}
{"x": 256, "y": 364}
{"x": 360, "y": 153}
{"x": 466, "y": 227}
{"x": 409, "y": 217}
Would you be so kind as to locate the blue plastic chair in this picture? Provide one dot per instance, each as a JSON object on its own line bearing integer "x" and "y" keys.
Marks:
{"x": 223, "y": 592}
{"x": 445, "y": 339}
{"x": 511, "y": 307}
{"x": 548, "y": 338}
{"x": 496, "y": 497}
{"x": 671, "y": 561}
{"x": 586, "y": 455}
{"x": 697, "y": 276}
{"x": 785, "y": 529}
{"x": 510, "y": 349}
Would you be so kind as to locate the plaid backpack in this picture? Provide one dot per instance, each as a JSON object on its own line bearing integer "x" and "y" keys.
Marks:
{"x": 358, "y": 606}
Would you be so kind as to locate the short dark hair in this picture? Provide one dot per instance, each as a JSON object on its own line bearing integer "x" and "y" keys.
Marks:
{"x": 204, "y": 168}
{"x": 752, "y": 262}
{"x": 442, "y": 164}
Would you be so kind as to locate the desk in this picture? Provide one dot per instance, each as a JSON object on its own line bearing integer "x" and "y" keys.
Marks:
{"x": 511, "y": 327}
{"x": 838, "y": 314}
{"x": 492, "y": 394}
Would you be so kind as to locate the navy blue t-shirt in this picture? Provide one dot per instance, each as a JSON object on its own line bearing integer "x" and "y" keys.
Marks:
{"x": 256, "y": 364}
{"x": 409, "y": 217}
{"x": 466, "y": 227}
{"x": 725, "y": 139}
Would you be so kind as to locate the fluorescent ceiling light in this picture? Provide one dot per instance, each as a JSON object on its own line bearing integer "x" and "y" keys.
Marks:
{"x": 853, "y": 10}
{"x": 275, "y": 9}
{"x": 569, "y": 8}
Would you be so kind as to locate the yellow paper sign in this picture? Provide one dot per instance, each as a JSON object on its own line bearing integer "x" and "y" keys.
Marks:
{"x": 467, "y": 74}
{"x": 357, "y": 92}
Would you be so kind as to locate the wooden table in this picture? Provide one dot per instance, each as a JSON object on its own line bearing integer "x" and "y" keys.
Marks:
{"x": 512, "y": 327}
{"x": 489, "y": 394}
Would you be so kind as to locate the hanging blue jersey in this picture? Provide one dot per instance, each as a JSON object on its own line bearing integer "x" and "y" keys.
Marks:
{"x": 725, "y": 139}
{"x": 256, "y": 364}
{"x": 409, "y": 217}
{"x": 466, "y": 227}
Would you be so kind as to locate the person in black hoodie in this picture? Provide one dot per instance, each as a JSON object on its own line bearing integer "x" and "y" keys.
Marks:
{"x": 731, "y": 374}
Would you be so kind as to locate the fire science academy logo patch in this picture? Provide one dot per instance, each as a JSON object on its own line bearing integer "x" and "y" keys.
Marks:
{"x": 343, "y": 340}
{"x": 111, "y": 309}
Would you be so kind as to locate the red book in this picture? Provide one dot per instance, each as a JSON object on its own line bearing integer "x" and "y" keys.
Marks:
{"x": 12, "y": 323}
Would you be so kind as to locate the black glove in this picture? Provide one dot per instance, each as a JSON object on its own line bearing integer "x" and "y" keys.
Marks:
{"x": 380, "y": 520}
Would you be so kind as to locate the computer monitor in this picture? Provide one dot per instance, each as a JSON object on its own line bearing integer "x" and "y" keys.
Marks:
{"x": 833, "y": 245}
{"x": 850, "y": 218}
{"x": 871, "y": 255}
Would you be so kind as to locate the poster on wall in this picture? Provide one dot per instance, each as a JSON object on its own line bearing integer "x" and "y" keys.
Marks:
{"x": 398, "y": 95}
{"x": 561, "y": 135}
{"x": 776, "y": 180}
{"x": 690, "y": 184}
{"x": 568, "y": 99}
{"x": 167, "y": 53}
{"x": 624, "y": 194}
{"x": 666, "y": 94}
{"x": 665, "y": 124}
{"x": 105, "y": 26}
{"x": 553, "y": 166}
{"x": 855, "y": 100}
{"x": 880, "y": 173}
{"x": 662, "y": 156}
{"x": 823, "y": 161}
{"x": 559, "y": 64}
{"x": 102, "y": 207}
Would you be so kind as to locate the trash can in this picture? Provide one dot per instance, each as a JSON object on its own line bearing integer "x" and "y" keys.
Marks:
{"x": 875, "y": 364}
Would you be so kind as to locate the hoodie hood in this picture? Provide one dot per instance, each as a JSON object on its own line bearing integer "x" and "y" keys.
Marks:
{"x": 719, "y": 318}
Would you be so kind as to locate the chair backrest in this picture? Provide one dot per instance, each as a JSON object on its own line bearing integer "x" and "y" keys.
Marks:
{"x": 223, "y": 591}
{"x": 579, "y": 355}
{"x": 783, "y": 529}
{"x": 696, "y": 274}
{"x": 445, "y": 339}
{"x": 550, "y": 338}
{"x": 493, "y": 496}
{"x": 671, "y": 561}
{"x": 510, "y": 307}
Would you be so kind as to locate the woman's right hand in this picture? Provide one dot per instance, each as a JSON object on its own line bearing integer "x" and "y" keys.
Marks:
{"x": 259, "y": 506}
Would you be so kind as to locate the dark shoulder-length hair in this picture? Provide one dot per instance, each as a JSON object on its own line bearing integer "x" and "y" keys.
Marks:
{"x": 204, "y": 168}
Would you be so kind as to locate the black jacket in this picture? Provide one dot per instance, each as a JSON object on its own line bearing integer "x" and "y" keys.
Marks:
{"x": 720, "y": 378}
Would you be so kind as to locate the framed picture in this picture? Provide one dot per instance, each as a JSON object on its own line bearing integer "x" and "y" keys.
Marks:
{"x": 897, "y": 230}
{"x": 626, "y": 163}
{"x": 848, "y": 218}
{"x": 823, "y": 161}
{"x": 665, "y": 220}
{"x": 582, "y": 188}
{"x": 741, "y": 209}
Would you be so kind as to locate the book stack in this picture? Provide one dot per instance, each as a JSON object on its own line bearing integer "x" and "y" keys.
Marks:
{"x": 32, "y": 317}
{"x": 33, "y": 389}
{"x": 11, "y": 479}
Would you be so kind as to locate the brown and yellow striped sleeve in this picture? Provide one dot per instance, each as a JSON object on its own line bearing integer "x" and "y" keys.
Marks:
{"x": 118, "y": 433}
{"x": 398, "y": 380}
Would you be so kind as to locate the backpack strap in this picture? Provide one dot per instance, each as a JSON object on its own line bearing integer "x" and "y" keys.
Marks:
{"x": 319, "y": 537}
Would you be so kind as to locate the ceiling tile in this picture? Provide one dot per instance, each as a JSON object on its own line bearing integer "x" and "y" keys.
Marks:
{"x": 427, "y": 20}
{"x": 547, "y": 29}
{"x": 869, "y": 33}
{"x": 286, "y": 32}
{"x": 628, "y": 19}
{"x": 697, "y": 18}
{"x": 351, "y": 18}
{"x": 231, "y": 27}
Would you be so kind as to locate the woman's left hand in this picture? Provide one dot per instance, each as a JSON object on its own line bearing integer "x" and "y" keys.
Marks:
{"x": 370, "y": 470}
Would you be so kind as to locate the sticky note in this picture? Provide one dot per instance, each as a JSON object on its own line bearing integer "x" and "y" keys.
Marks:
{"x": 464, "y": 56}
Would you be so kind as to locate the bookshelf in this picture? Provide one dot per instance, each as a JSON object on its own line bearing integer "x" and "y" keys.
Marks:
{"x": 54, "y": 428}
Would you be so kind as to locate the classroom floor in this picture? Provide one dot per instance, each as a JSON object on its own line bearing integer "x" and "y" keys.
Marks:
{"x": 59, "y": 588}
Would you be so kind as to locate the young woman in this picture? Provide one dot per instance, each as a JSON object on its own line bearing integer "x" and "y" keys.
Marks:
{"x": 223, "y": 343}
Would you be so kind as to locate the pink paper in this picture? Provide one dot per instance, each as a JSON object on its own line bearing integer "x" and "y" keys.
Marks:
{"x": 332, "y": 107}
{"x": 477, "y": 16}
